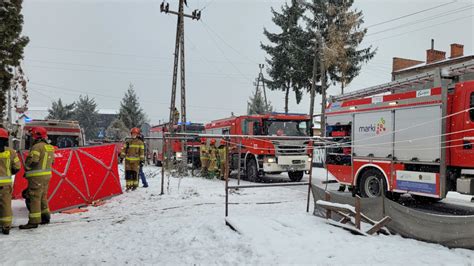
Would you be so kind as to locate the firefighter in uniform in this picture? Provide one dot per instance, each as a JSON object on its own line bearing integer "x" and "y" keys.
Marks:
{"x": 38, "y": 165}
{"x": 213, "y": 169}
{"x": 222, "y": 158}
{"x": 175, "y": 116}
{"x": 9, "y": 165}
{"x": 204, "y": 157}
{"x": 133, "y": 151}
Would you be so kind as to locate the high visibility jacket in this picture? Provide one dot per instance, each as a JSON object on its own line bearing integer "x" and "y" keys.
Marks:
{"x": 222, "y": 155}
{"x": 9, "y": 164}
{"x": 213, "y": 157}
{"x": 175, "y": 116}
{"x": 204, "y": 152}
{"x": 40, "y": 160}
{"x": 133, "y": 151}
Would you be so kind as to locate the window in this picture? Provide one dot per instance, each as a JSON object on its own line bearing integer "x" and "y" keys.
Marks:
{"x": 287, "y": 128}
{"x": 251, "y": 127}
{"x": 471, "y": 105}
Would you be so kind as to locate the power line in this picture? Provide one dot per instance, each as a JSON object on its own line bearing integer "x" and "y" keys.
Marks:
{"x": 403, "y": 33}
{"x": 411, "y": 14}
{"x": 228, "y": 45}
{"x": 66, "y": 90}
{"x": 97, "y": 52}
{"x": 153, "y": 58}
{"x": 437, "y": 16}
{"x": 201, "y": 74}
{"x": 223, "y": 53}
{"x": 207, "y": 5}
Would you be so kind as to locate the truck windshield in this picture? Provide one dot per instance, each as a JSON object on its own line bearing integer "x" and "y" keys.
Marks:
{"x": 286, "y": 128}
{"x": 62, "y": 141}
{"x": 192, "y": 129}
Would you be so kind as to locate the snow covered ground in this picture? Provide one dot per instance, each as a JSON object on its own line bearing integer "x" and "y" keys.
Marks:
{"x": 187, "y": 226}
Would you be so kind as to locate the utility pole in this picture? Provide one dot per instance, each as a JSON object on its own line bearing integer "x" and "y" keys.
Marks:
{"x": 258, "y": 80}
{"x": 261, "y": 79}
{"x": 319, "y": 50}
{"x": 179, "y": 56}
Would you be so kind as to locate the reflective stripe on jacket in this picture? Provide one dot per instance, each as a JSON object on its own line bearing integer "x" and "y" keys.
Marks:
{"x": 7, "y": 167}
{"x": 40, "y": 160}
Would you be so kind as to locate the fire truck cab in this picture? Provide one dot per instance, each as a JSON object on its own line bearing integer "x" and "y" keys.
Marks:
{"x": 260, "y": 156}
{"x": 413, "y": 136}
{"x": 61, "y": 133}
{"x": 155, "y": 143}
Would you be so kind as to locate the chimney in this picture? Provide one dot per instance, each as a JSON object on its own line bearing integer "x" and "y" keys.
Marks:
{"x": 433, "y": 55}
{"x": 402, "y": 63}
{"x": 457, "y": 50}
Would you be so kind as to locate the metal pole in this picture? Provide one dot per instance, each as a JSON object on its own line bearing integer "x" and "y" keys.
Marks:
{"x": 163, "y": 162}
{"x": 310, "y": 179}
{"x": 240, "y": 161}
{"x": 226, "y": 176}
{"x": 438, "y": 81}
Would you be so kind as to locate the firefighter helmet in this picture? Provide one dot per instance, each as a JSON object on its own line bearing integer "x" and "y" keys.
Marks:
{"x": 213, "y": 141}
{"x": 222, "y": 143}
{"x": 3, "y": 133}
{"x": 203, "y": 140}
{"x": 135, "y": 130}
{"x": 39, "y": 133}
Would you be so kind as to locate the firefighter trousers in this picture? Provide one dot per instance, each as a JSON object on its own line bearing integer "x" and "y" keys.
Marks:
{"x": 131, "y": 179}
{"x": 204, "y": 165}
{"x": 5, "y": 206}
{"x": 38, "y": 201}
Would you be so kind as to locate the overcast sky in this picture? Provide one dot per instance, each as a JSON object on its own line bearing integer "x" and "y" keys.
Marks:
{"x": 98, "y": 47}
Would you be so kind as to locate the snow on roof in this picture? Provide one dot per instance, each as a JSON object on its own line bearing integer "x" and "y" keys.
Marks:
{"x": 108, "y": 111}
{"x": 434, "y": 63}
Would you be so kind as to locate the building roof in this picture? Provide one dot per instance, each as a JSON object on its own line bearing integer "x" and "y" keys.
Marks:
{"x": 108, "y": 111}
{"x": 441, "y": 62}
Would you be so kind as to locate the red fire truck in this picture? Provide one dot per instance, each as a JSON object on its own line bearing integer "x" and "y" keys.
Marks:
{"x": 62, "y": 134}
{"x": 415, "y": 135}
{"x": 260, "y": 156}
{"x": 156, "y": 145}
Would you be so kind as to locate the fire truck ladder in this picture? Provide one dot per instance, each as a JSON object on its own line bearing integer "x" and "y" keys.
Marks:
{"x": 446, "y": 72}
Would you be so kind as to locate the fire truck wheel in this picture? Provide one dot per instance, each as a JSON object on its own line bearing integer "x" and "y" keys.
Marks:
{"x": 370, "y": 185}
{"x": 252, "y": 171}
{"x": 296, "y": 176}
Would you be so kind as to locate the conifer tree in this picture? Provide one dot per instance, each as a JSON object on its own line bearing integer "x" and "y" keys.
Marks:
{"x": 284, "y": 51}
{"x": 60, "y": 111}
{"x": 12, "y": 44}
{"x": 86, "y": 114}
{"x": 131, "y": 113}
{"x": 256, "y": 104}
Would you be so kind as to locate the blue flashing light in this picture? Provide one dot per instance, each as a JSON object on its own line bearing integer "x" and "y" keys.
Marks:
{"x": 188, "y": 123}
{"x": 27, "y": 119}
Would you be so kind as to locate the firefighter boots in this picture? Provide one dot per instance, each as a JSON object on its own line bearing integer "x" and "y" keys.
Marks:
{"x": 28, "y": 226}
